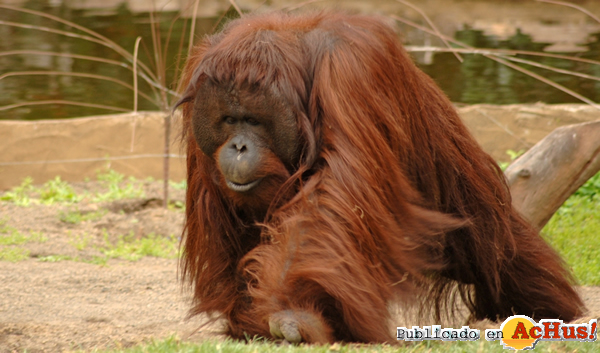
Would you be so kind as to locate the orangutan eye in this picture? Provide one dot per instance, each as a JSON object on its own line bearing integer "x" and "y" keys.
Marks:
{"x": 229, "y": 120}
{"x": 252, "y": 121}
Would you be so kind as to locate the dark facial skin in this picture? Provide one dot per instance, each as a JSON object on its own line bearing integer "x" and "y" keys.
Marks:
{"x": 241, "y": 129}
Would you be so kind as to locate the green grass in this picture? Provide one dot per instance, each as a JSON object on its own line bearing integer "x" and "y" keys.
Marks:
{"x": 55, "y": 258}
{"x": 10, "y": 238}
{"x": 13, "y": 253}
{"x": 176, "y": 205}
{"x": 182, "y": 185}
{"x": 76, "y": 217}
{"x": 19, "y": 195}
{"x": 128, "y": 247}
{"x": 113, "y": 181}
{"x": 513, "y": 155}
{"x": 174, "y": 345}
{"x": 10, "y": 235}
{"x": 591, "y": 188}
{"x": 53, "y": 191}
{"x": 79, "y": 241}
{"x": 574, "y": 231}
{"x": 15, "y": 237}
{"x": 57, "y": 191}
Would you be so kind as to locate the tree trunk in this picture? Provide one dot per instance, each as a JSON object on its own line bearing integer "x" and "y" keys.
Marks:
{"x": 552, "y": 170}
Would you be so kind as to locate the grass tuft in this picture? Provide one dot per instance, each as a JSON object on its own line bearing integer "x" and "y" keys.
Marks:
{"x": 513, "y": 155}
{"x": 58, "y": 191}
{"x": 182, "y": 185}
{"x": 19, "y": 195}
{"x": 128, "y": 247}
{"x": 13, "y": 254}
{"x": 79, "y": 241}
{"x": 76, "y": 217}
{"x": 113, "y": 180}
{"x": 10, "y": 237}
{"x": 55, "y": 258}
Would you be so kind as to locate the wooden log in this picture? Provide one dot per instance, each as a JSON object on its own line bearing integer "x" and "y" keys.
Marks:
{"x": 544, "y": 177}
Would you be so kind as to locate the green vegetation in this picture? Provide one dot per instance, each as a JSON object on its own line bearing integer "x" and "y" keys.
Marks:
{"x": 113, "y": 181}
{"x": 79, "y": 241}
{"x": 76, "y": 217}
{"x": 59, "y": 191}
{"x": 176, "y": 205}
{"x": 126, "y": 247}
{"x": 513, "y": 155}
{"x": 591, "y": 188}
{"x": 174, "y": 345}
{"x": 54, "y": 258}
{"x": 574, "y": 231}
{"x": 129, "y": 247}
{"x": 13, "y": 254}
{"x": 17, "y": 238}
{"x": 19, "y": 195}
{"x": 53, "y": 191}
{"x": 182, "y": 185}
{"x": 10, "y": 237}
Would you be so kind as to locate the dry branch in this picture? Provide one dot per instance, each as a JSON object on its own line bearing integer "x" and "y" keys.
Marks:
{"x": 552, "y": 170}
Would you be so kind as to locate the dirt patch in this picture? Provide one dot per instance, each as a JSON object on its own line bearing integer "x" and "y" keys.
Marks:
{"x": 69, "y": 305}
{"x": 51, "y": 305}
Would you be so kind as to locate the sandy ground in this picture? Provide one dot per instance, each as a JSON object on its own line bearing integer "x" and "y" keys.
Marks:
{"x": 74, "y": 305}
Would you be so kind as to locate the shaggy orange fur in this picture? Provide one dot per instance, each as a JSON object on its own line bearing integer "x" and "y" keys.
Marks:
{"x": 390, "y": 197}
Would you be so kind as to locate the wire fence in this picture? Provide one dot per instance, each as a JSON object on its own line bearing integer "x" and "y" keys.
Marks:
{"x": 80, "y": 160}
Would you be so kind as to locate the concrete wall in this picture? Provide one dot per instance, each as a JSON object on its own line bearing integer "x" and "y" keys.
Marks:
{"x": 77, "y": 148}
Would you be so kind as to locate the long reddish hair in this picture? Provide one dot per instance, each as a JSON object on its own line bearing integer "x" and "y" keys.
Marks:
{"x": 391, "y": 192}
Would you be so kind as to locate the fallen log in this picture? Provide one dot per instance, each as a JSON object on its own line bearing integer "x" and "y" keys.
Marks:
{"x": 544, "y": 177}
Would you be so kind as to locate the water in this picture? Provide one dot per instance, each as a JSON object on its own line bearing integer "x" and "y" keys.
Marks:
{"x": 476, "y": 80}
{"x": 481, "y": 80}
{"x": 121, "y": 26}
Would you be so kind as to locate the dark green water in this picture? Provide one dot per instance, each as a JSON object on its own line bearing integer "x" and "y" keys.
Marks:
{"x": 476, "y": 80}
{"x": 481, "y": 80}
